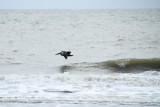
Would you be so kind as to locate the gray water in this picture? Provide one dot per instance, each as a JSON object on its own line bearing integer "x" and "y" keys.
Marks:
{"x": 116, "y": 57}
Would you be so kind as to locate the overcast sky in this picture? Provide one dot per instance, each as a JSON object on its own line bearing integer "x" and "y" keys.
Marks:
{"x": 79, "y": 4}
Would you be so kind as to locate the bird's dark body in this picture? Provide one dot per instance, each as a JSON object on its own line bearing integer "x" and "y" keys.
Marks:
{"x": 65, "y": 54}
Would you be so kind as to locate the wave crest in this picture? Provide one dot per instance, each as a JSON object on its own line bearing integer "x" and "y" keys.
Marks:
{"x": 120, "y": 65}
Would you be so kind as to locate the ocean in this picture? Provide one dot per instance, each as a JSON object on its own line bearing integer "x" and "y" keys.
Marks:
{"x": 116, "y": 58}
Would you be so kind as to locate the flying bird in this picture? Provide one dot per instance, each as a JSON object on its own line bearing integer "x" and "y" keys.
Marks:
{"x": 65, "y": 54}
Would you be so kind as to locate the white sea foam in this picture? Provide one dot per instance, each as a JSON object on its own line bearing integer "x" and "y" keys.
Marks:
{"x": 81, "y": 88}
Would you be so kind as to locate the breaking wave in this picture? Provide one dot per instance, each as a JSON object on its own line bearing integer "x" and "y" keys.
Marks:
{"x": 128, "y": 65}
{"x": 83, "y": 82}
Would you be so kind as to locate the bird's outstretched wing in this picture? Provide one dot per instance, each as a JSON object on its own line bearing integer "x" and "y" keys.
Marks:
{"x": 65, "y": 57}
{"x": 68, "y": 52}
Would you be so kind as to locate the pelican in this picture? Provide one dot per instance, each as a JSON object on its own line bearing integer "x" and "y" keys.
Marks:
{"x": 65, "y": 54}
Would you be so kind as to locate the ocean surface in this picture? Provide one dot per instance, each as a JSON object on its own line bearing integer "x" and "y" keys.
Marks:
{"x": 116, "y": 58}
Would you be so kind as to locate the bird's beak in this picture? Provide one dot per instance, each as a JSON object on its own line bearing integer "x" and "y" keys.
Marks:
{"x": 57, "y": 54}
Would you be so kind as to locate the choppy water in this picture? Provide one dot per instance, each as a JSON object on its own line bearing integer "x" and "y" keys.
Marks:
{"x": 116, "y": 56}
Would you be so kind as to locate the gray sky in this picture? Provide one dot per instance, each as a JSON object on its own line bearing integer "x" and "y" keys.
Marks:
{"x": 78, "y": 4}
